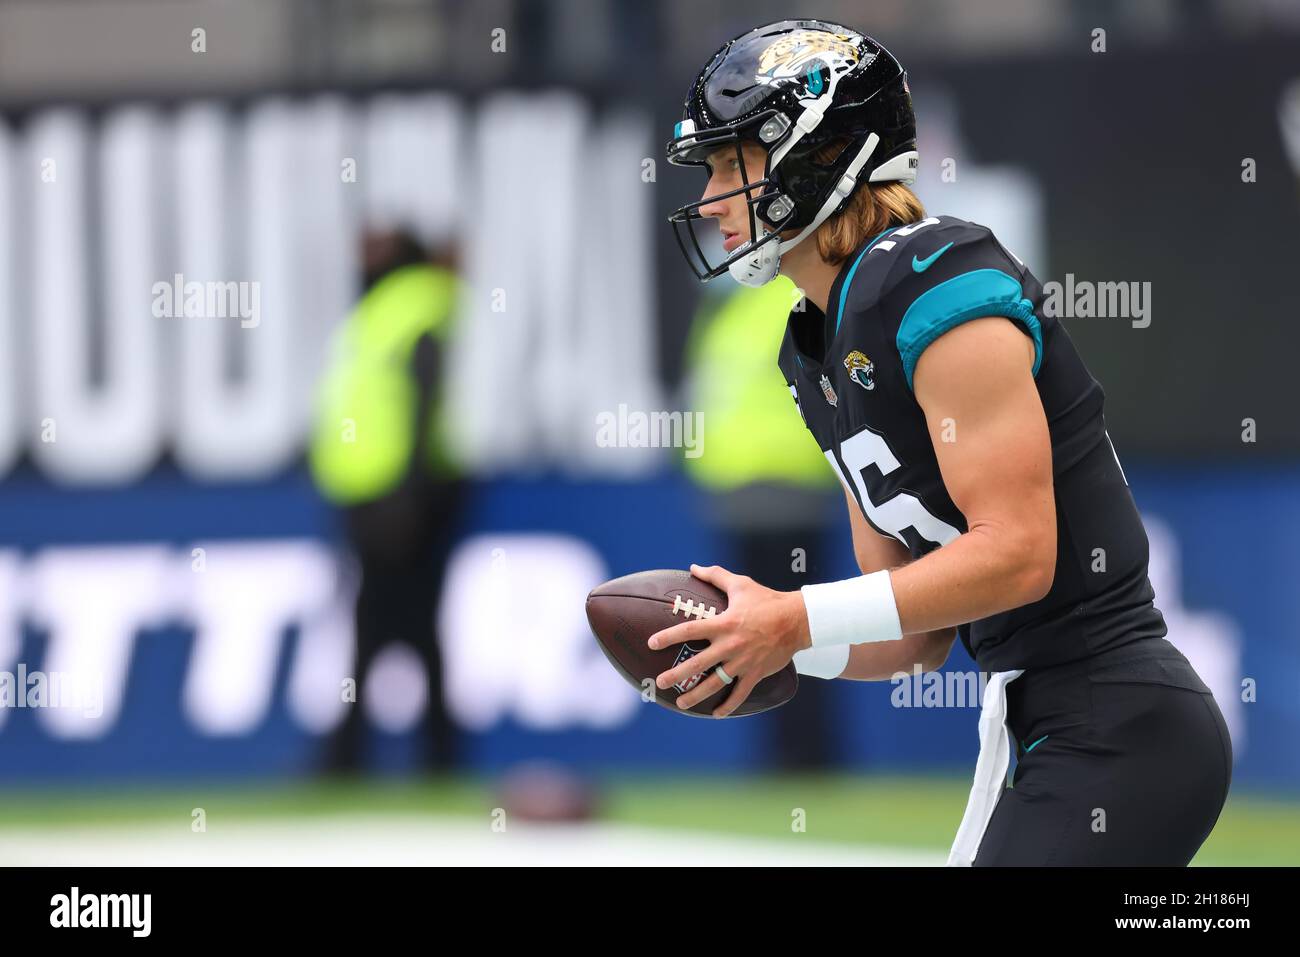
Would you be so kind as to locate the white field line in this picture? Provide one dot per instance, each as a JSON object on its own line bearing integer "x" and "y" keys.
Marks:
{"x": 361, "y": 840}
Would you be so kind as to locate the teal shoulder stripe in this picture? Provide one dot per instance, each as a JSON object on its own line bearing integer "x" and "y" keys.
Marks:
{"x": 981, "y": 292}
{"x": 848, "y": 280}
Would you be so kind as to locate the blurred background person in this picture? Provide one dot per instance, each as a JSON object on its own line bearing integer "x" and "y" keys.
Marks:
{"x": 770, "y": 492}
{"x": 379, "y": 452}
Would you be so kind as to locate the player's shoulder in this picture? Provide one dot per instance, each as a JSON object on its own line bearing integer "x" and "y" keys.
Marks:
{"x": 903, "y": 263}
{"x": 951, "y": 228}
{"x": 925, "y": 278}
{"x": 939, "y": 257}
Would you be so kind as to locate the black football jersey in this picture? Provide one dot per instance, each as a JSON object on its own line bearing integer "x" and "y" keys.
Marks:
{"x": 850, "y": 372}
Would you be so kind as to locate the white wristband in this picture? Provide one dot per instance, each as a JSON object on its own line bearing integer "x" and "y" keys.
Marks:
{"x": 853, "y": 611}
{"x": 827, "y": 663}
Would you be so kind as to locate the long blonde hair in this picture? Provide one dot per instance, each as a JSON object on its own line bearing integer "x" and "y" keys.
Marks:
{"x": 871, "y": 210}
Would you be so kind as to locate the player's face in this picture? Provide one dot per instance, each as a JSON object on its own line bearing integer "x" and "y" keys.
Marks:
{"x": 733, "y": 213}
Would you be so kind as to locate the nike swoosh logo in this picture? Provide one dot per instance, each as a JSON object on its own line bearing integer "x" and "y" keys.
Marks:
{"x": 1036, "y": 743}
{"x": 921, "y": 265}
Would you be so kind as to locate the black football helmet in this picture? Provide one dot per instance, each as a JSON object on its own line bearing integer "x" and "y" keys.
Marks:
{"x": 793, "y": 87}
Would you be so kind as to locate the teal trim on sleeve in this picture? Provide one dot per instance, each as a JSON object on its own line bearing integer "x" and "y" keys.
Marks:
{"x": 972, "y": 295}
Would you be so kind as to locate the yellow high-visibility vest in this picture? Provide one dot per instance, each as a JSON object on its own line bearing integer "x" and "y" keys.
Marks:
{"x": 366, "y": 414}
{"x": 752, "y": 429}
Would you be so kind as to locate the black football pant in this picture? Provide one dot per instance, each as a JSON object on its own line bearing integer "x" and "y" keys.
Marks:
{"x": 1108, "y": 773}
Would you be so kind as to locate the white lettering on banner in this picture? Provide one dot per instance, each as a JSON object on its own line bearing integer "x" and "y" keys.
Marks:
{"x": 255, "y": 197}
{"x": 576, "y": 287}
{"x": 621, "y": 277}
{"x": 516, "y": 642}
{"x": 10, "y": 638}
{"x": 494, "y": 425}
{"x": 516, "y": 637}
{"x": 94, "y": 601}
{"x": 239, "y": 428}
{"x": 328, "y": 250}
{"x": 11, "y": 432}
{"x": 323, "y": 659}
{"x": 397, "y": 690}
{"x": 411, "y": 174}
{"x": 241, "y": 604}
{"x": 109, "y": 431}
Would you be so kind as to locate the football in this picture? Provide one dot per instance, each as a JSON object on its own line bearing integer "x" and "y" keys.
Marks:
{"x": 625, "y": 612}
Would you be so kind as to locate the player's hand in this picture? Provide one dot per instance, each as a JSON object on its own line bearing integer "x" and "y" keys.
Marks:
{"x": 755, "y": 637}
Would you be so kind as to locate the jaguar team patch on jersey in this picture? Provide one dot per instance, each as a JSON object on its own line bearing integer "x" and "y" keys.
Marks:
{"x": 828, "y": 390}
{"x": 861, "y": 369}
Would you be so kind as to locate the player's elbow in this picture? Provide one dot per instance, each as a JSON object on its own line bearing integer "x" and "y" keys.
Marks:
{"x": 1034, "y": 568}
{"x": 1021, "y": 559}
{"x": 1037, "y": 582}
{"x": 938, "y": 646}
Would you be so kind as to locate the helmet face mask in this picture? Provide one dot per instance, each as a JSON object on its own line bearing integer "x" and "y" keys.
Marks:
{"x": 792, "y": 88}
{"x": 690, "y": 150}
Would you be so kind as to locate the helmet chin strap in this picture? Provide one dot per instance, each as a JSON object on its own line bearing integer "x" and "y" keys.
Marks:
{"x": 762, "y": 265}
{"x": 759, "y": 267}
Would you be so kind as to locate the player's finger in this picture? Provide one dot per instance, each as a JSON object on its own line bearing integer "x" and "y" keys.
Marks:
{"x": 701, "y": 692}
{"x": 693, "y": 665}
{"x": 706, "y": 629}
{"x": 716, "y": 575}
{"x": 739, "y": 692}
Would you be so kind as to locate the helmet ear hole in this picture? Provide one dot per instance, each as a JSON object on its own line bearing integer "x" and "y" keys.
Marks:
{"x": 806, "y": 170}
{"x": 828, "y": 154}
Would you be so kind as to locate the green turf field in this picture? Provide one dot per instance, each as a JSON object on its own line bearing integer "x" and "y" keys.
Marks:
{"x": 903, "y": 812}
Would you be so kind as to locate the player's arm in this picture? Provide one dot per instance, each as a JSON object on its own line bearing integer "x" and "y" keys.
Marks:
{"x": 880, "y": 661}
{"x": 975, "y": 384}
{"x": 990, "y": 437}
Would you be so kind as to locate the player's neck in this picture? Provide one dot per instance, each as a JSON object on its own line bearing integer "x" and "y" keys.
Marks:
{"x": 812, "y": 274}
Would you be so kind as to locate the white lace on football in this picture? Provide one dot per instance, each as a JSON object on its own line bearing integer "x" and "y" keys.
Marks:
{"x": 689, "y": 608}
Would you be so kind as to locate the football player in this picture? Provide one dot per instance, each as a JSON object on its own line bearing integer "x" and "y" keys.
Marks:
{"x": 985, "y": 497}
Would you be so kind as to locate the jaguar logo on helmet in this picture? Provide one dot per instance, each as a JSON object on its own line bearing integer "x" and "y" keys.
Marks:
{"x": 793, "y": 54}
{"x": 789, "y": 88}
{"x": 861, "y": 369}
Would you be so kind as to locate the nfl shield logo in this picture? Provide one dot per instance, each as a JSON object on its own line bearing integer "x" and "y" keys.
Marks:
{"x": 686, "y": 654}
{"x": 828, "y": 390}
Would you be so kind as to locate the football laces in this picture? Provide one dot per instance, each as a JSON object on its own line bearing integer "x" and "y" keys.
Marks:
{"x": 691, "y": 610}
